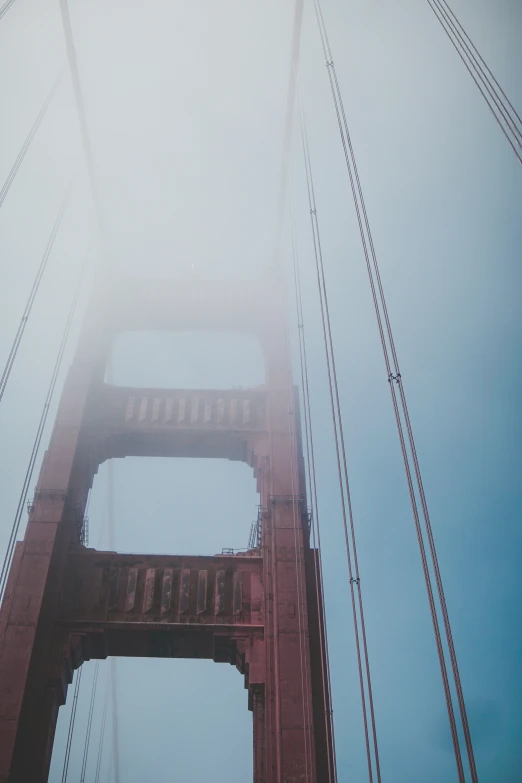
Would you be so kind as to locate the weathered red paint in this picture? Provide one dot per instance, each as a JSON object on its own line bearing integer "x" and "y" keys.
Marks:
{"x": 65, "y": 604}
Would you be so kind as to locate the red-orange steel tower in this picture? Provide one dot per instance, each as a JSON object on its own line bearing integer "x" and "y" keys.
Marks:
{"x": 66, "y": 603}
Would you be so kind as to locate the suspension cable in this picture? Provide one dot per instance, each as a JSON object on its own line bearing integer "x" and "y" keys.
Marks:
{"x": 102, "y": 730}
{"x": 315, "y": 526}
{"x": 89, "y": 722}
{"x": 304, "y": 650}
{"x": 30, "y": 136}
{"x": 289, "y": 120}
{"x": 115, "y": 769}
{"x": 394, "y": 379}
{"x": 94, "y": 687}
{"x": 72, "y": 722}
{"x": 34, "y": 291}
{"x": 39, "y": 434}
{"x": 72, "y": 719}
{"x": 5, "y": 7}
{"x": 344, "y": 486}
{"x": 495, "y": 97}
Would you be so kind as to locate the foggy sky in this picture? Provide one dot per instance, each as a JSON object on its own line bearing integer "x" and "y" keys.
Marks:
{"x": 186, "y": 105}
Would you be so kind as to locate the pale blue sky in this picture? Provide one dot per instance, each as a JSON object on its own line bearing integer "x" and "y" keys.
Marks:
{"x": 186, "y": 105}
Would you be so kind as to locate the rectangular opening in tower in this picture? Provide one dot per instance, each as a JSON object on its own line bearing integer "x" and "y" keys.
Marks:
{"x": 186, "y": 360}
{"x": 174, "y": 506}
{"x": 176, "y": 719}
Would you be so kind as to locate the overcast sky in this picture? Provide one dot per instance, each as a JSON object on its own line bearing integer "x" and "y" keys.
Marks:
{"x": 185, "y": 103}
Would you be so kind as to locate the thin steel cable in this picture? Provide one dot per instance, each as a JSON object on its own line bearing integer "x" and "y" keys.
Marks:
{"x": 316, "y": 536}
{"x": 38, "y": 438}
{"x": 475, "y": 75}
{"x": 303, "y": 659}
{"x": 514, "y": 112}
{"x": 455, "y": 32}
{"x": 34, "y": 291}
{"x": 30, "y": 136}
{"x": 114, "y": 681}
{"x": 357, "y": 579}
{"x": 5, "y": 8}
{"x": 289, "y": 120}
{"x": 89, "y": 722}
{"x": 272, "y": 697}
{"x": 395, "y": 378}
{"x": 102, "y": 730}
{"x": 72, "y": 722}
{"x": 339, "y": 449}
{"x": 346, "y": 142}
{"x": 301, "y": 601}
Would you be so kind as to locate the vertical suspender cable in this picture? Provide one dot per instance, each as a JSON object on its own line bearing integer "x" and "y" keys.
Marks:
{"x": 34, "y": 291}
{"x": 72, "y": 721}
{"x": 346, "y": 142}
{"x": 344, "y": 486}
{"x": 394, "y": 379}
{"x": 273, "y": 697}
{"x": 296, "y": 509}
{"x": 296, "y": 513}
{"x": 316, "y": 535}
{"x": 93, "y": 695}
{"x": 102, "y": 229}
{"x": 114, "y": 681}
{"x": 89, "y": 722}
{"x": 102, "y": 730}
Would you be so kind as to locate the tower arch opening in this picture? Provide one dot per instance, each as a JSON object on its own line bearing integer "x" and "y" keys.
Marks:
{"x": 186, "y": 360}
{"x": 174, "y": 505}
{"x": 181, "y": 702}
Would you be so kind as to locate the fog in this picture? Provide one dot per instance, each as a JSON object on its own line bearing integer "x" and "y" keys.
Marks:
{"x": 186, "y": 105}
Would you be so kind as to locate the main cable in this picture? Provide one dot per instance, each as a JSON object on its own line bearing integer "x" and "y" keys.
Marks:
{"x": 394, "y": 379}
{"x": 30, "y": 136}
{"x": 495, "y": 97}
{"x": 84, "y": 129}
{"x": 289, "y": 120}
{"x": 39, "y": 433}
{"x": 34, "y": 290}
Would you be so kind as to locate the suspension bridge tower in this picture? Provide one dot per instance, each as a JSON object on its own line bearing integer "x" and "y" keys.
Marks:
{"x": 261, "y": 611}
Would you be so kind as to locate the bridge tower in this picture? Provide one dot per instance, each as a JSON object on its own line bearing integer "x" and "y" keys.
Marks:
{"x": 66, "y": 603}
